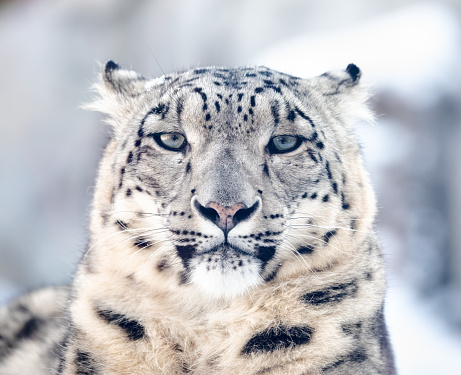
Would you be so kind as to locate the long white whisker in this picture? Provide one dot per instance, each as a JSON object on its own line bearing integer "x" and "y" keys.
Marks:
{"x": 321, "y": 240}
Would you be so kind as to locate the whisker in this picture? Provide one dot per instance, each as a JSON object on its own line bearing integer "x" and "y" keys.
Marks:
{"x": 321, "y": 240}
{"x": 326, "y": 227}
{"x": 144, "y": 231}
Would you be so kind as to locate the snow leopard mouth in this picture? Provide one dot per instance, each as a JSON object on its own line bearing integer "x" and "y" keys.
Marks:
{"x": 225, "y": 250}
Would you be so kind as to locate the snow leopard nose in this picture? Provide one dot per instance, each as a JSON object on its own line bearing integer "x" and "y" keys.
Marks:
{"x": 225, "y": 217}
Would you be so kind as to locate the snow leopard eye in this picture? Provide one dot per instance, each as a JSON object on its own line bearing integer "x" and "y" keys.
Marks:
{"x": 284, "y": 143}
{"x": 171, "y": 141}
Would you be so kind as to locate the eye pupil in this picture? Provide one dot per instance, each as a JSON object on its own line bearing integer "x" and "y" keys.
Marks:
{"x": 170, "y": 141}
{"x": 284, "y": 143}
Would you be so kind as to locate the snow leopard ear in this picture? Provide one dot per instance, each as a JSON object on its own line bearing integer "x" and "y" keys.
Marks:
{"x": 343, "y": 91}
{"x": 337, "y": 81}
{"x": 121, "y": 81}
{"x": 117, "y": 92}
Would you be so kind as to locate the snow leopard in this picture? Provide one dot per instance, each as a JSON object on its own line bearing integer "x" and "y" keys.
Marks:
{"x": 231, "y": 232}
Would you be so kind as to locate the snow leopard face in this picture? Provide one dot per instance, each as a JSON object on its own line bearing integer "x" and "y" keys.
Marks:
{"x": 224, "y": 179}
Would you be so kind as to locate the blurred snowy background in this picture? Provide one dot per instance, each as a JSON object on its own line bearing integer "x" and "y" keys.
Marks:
{"x": 409, "y": 51}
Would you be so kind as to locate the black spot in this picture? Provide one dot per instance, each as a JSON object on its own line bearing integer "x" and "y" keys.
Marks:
{"x": 188, "y": 167}
{"x": 325, "y": 198}
{"x": 352, "y": 329}
{"x": 313, "y": 137}
{"x": 202, "y": 94}
{"x": 304, "y": 116}
{"x": 154, "y": 111}
{"x": 239, "y": 98}
{"x": 142, "y": 243}
{"x": 179, "y": 109}
{"x": 185, "y": 253}
{"x": 201, "y": 71}
{"x": 137, "y": 143}
{"x": 138, "y": 188}
{"x": 85, "y": 364}
{"x": 352, "y": 224}
{"x": 129, "y": 159}
{"x": 265, "y": 253}
{"x": 265, "y": 73}
{"x": 283, "y": 82}
{"x": 218, "y": 107}
{"x": 121, "y": 224}
{"x": 291, "y": 116}
{"x": 313, "y": 196}
{"x": 163, "y": 265}
{"x": 333, "y": 294}
{"x": 207, "y": 117}
{"x": 239, "y": 109}
{"x": 270, "y": 276}
{"x": 334, "y": 185}
{"x": 122, "y": 172}
{"x": 307, "y": 249}
{"x": 252, "y": 101}
{"x": 132, "y": 328}
{"x": 278, "y": 338}
{"x": 345, "y": 205}
{"x": 328, "y": 235}
{"x": 30, "y": 328}
{"x": 358, "y": 356}
{"x": 327, "y": 167}
{"x": 259, "y": 90}
{"x": 304, "y": 196}
{"x": 312, "y": 155}
{"x": 245, "y": 117}
{"x": 275, "y": 114}
{"x": 60, "y": 350}
{"x": 319, "y": 145}
{"x": 266, "y": 170}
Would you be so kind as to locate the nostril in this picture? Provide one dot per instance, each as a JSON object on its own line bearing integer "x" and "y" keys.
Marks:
{"x": 244, "y": 213}
{"x": 208, "y": 213}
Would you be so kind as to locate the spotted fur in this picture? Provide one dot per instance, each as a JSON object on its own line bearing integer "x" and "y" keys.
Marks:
{"x": 231, "y": 233}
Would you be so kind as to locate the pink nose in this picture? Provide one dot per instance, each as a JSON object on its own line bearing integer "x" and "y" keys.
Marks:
{"x": 226, "y": 214}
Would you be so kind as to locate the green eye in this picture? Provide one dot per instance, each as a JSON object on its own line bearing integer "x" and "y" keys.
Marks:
{"x": 284, "y": 143}
{"x": 170, "y": 141}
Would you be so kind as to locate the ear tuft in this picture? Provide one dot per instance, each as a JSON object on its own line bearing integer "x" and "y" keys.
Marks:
{"x": 117, "y": 91}
{"x": 122, "y": 82}
{"x": 354, "y": 72}
{"x": 110, "y": 66}
{"x": 342, "y": 90}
